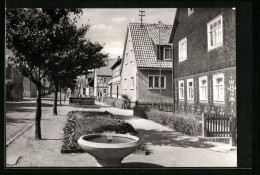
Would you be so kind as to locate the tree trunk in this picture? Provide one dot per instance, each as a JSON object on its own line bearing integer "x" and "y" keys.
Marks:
{"x": 60, "y": 97}
{"x": 55, "y": 100}
{"x": 38, "y": 114}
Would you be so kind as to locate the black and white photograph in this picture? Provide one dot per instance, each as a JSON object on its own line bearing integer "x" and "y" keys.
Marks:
{"x": 121, "y": 87}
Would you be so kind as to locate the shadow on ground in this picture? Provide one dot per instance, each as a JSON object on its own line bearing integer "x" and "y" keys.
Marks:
{"x": 10, "y": 120}
{"x": 170, "y": 138}
{"x": 140, "y": 165}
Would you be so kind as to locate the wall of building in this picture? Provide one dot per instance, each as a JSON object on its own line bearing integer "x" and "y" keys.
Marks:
{"x": 30, "y": 89}
{"x": 129, "y": 69}
{"x": 153, "y": 95}
{"x": 203, "y": 62}
{"x": 16, "y": 92}
{"x": 199, "y": 59}
{"x": 229, "y": 105}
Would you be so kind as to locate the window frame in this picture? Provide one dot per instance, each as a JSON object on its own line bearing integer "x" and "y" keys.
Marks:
{"x": 169, "y": 53}
{"x": 192, "y": 88}
{"x": 179, "y": 90}
{"x": 215, "y": 77}
{"x": 133, "y": 83}
{"x": 200, "y": 91}
{"x": 164, "y": 76}
{"x": 208, "y": 33}
{"x": 179, "y": 50}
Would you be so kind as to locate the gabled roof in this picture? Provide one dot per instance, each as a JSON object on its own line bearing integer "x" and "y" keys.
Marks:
{"x": 144, "y": 38}
{"x": 105, "y": 70}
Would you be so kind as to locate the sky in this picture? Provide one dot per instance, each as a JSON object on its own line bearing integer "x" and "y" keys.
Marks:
{"x": 108, "y": 25}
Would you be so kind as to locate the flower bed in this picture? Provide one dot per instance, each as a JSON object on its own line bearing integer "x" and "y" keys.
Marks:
{"x": 181, "y": 122}
{"x": 80, "y": 123}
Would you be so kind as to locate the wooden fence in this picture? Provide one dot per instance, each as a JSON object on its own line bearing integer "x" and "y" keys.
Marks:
{"x": 219, "y": 125}
{"x": 166, "y": 107}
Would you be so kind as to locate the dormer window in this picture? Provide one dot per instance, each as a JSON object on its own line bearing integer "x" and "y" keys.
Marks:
{"x": 164, "y": 53}
{"x": 167, "y": 53}
{"x": 190, "y": 11}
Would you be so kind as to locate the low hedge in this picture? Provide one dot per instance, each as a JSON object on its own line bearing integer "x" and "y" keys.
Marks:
{"x": 181, "y": 122}
{"x": 80, "y": 123}
{"x": 119, "y": 103}
{"x": 140, "y": 111}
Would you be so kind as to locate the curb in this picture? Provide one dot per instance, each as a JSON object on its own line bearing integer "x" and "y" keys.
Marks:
{"x": 19, "y": 134}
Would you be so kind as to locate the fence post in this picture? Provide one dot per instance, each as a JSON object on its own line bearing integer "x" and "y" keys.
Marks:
{"x": 136, "y": 103}
{"x": 204, "y": 124}
{"x": 232, "y": 131}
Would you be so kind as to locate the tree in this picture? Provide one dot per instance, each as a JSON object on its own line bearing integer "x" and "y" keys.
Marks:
{"x": 69, "y": 62}
{"x": 29, "y": 35}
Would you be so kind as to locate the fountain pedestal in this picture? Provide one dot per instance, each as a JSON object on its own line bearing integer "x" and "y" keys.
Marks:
{"x": 109, "y": 153}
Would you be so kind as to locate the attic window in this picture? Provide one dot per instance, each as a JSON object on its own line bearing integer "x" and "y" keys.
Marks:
{"x": 190, "y": 11}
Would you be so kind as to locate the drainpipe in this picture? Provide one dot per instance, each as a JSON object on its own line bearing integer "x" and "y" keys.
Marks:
{"x": 173, "y": 84}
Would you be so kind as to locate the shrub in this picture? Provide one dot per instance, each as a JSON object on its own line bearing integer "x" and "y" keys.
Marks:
{"x": 184, "y": 123}
{"x": 127, "y": 99}
{"x": 140, "y": 111}
{"x": 80, "y": 123}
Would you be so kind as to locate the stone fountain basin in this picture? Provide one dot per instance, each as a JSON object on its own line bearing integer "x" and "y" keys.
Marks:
{"x": 109, "y": 154}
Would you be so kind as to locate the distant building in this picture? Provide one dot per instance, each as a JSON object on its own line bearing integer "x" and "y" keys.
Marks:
{"x": 30, "y": 89}
{"x": 13, "y": 80}
{"x": 115, "y": 82}
{"x": 143, "y": 56}
{"x": 204, "y": 41}
{"x": 102, "y": 76}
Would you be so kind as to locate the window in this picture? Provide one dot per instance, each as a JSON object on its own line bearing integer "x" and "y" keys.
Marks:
{"x": 133, "y": 83}
{"x": 190, "y": 11}
{"x": 167, "y": 54}
{"x": 203, "y": 89}
{"x": 181, "y": 90}
{"x": 190, "y": 90}
{"x": 155, "y": 83}
{"x": 183, "y": 50}
{"x": 218, "y": 88}
{"x": 105, "y": 80}
{"x": 215, "y": 33}
{"x": 104, "y": 91}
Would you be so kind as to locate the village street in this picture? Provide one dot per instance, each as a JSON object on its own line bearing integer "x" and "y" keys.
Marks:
{"x": 168, "y": 147}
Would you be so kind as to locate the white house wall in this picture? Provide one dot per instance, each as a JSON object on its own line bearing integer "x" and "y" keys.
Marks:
{"x": 129, "y": 69}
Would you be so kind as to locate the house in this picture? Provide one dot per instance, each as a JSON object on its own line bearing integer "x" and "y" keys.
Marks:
{"x": 14, "y": 79}
{"x": 147, "y": 55}
{"x": 102, "y": 76}
{"x": 115, "y": 82}
{"x": 204, "y": 42}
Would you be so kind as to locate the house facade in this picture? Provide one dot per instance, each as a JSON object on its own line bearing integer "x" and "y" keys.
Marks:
{"x": 115, "y": 82}
{"x": 146, "y": 68}
{"x": 204, "y": 42}
{"x": 102, "y": 76}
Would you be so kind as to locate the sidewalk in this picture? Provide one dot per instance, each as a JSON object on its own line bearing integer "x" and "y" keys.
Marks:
{"x": 168, "y": 147}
